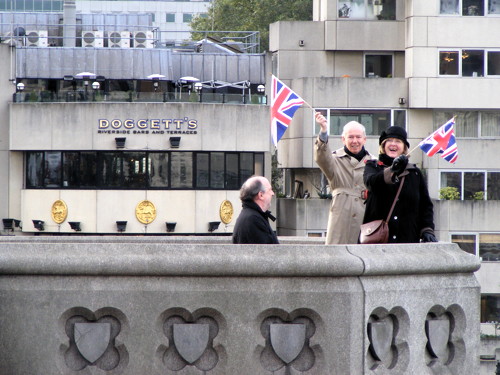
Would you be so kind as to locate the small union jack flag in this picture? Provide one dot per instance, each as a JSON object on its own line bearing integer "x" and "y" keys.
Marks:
{"x": 443, "y": 142}
{"x": 284, "y": 103}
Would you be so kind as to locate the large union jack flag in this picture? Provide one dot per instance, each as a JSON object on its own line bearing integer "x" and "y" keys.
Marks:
{"x": 443, "y": 142}
{"x": 284, "y": 103}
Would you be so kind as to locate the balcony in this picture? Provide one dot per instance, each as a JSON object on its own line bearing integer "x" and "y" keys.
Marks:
{"x": 137, "y": 96}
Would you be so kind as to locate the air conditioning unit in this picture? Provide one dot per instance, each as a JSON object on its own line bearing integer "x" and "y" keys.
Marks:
{"x": 37, "y": 38}
{"x": 119, "y": 39}
{"x": 143, "y": 39}
{"x": 93, "y": 39}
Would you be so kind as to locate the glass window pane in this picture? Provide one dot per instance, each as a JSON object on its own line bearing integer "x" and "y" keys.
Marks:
{"x": 494, "y": 62}
{"x": 490, "y": 308}
{"x": 317, "y": 128}
{"x": 400, "y": 118}
{"x": 259, "y": 164}
{"x": 374, "y": 121}
{"x": 170, "y": 17}
{"x": 202, "y": 170}
{"x": 448, "y": 62}
{"x": 489, "y": 247}
{"x": 493, "y": 7}
{"x": 232, "y": 167}
{"x": 466, "y": 122}
{"x": 472, "y": 63}
{"x": 71, "y": 172}
{"x": 345, "y": 9}
{"x": 88, "y": 169}
{"x": 452, "y": 179}
{"x": 449, "y": 7}
{"x": 246, "y": 166}
{"x": 187, "y": 17}
{"x": 111, "y": 170}
{"x": 134, "y": 170}
{"x": 182, "y": 169}
{"x": 467, "y": 242}
{"x": 493, "y": 186}
{"x": 472, "y": 7}
{"x": 490, "y": 124}
{"x": 158, "y": 169}
{"x": 34, "y": 169}
{"x": 378, "y": 66}
{"x": 217, "y": 170}
{"x": 382, "y": 9}
{"x": 52, "y": 169}
{"x": 473, "y": 185}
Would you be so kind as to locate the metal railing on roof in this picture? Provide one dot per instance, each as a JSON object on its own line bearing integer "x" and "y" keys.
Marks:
{"x": 89, "y": 95}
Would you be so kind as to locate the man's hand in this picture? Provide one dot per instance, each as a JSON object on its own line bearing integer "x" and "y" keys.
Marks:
{"x": 399, "y": 164}
{"x": 321, "y": 120}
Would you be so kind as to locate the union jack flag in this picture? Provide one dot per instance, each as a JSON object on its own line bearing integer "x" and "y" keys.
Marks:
{"x": 284, "y": 103}
{"x": 443, "y": 142}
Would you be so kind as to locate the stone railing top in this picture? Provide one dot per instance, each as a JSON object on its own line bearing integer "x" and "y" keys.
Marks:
{"x": 215, "y": 256}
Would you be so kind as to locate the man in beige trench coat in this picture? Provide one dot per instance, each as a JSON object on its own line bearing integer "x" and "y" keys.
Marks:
{"x": 344, "y": 170}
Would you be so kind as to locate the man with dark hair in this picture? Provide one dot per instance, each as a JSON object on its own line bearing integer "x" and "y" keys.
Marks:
{"x": 252, "y": 226}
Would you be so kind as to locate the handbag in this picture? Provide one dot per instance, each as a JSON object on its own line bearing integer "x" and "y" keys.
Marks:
{"x": 377, "y": 231}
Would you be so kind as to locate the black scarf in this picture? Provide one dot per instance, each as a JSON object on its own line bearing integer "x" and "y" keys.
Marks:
{"x": 359, "y": 156}
{"x": 387, "y": 160}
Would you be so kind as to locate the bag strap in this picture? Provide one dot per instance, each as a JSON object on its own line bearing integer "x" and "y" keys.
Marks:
{"x": 395, "y": 199}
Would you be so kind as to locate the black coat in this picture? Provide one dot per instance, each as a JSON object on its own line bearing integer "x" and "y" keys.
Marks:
{"x": 413, "y": 213}
{"x": 252, "y": 226}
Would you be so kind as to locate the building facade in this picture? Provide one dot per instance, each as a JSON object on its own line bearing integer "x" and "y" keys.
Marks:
{"x": 402, "y": 63}
{"x": 100, "y": 139}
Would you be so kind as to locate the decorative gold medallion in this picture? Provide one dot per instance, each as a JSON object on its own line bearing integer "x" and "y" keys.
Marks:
{"x": 59, "y": 211}
{"x": 145, "y": 212}
{"x": 226, "y": 212}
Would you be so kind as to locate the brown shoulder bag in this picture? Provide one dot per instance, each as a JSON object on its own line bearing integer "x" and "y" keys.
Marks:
{"x": 377, "y": 231}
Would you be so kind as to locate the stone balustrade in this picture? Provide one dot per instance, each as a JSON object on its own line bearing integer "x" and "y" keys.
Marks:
{"x": 200, "y": 305}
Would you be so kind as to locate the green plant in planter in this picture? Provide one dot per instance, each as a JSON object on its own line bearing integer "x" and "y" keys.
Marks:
{"x": 449, "y": 193}
{"x": 478, "y": 196}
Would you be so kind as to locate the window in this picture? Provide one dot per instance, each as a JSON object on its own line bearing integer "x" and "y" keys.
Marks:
{"x": 473, "y": 185}
{"x": 374, "y": 120}
{"x": 486, "y": 245}
{"x": 379, "y": 65}
{"x": 471, "y": 124}
{"x": 449, "y": 63}
{"x": 469, "y": 7}
{"x": 466, "y": 242}
{"x": 187, "y": 17}
{"x": 140, "y": 170}
{"x": 493, "y": 62}
{"x": 170, "y": 17}
{"x": 449, "y": 7}
{"x": 181, "y": 169}
{"x": 367, "y": 9}
{"x": 472, "y": 63}
{"x": 489, "y": 247}
{"x": 490, "y": 308}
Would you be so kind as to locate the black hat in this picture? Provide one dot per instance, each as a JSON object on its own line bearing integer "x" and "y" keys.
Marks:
{"x": 394, "y": 132}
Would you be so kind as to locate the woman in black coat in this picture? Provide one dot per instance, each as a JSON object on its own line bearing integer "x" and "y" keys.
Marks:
{"x": 413, "y": 217}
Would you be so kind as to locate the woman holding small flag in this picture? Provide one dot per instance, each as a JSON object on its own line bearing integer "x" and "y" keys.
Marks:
{"x": 412, "y": 219}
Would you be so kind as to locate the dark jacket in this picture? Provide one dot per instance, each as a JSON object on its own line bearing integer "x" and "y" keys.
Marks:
{"x": 413, "y": 214}
{"x": 252, "y": 226}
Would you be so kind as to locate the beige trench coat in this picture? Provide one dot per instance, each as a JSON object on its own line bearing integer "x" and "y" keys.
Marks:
{"x": 345, "y": 177}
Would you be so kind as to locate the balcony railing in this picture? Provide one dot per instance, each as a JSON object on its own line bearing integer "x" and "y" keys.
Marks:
{"x": 136, "y": 96}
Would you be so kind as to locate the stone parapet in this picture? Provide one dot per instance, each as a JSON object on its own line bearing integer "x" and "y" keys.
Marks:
{"x": 193, "y": 305}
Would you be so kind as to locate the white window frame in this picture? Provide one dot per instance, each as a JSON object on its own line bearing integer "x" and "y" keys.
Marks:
{"x": 462, "y": 176}
{"x": 486, "y": 4}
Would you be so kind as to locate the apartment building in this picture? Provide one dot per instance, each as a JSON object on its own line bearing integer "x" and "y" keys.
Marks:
{"x": 413, "y": 64}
